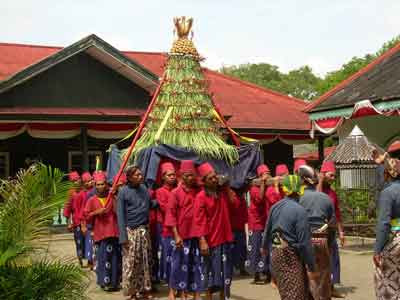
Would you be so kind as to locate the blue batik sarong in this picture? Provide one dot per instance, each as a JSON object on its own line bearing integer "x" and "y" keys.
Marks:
{"x": 109, "y": 263}
{"x": 256, "y": 263}
{"x": 188, "y": 272}
{"x": 239, "y": 252}
{"x": 79, "y": 239}
{"x": 166, "y": 247}
{"x": 220, "y": 269}
{"x": 88, "y": 254}
{"x": 335, "y": 262}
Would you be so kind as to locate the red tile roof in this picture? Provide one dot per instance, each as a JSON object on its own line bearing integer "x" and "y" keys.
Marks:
{"x": 249, "y": 105}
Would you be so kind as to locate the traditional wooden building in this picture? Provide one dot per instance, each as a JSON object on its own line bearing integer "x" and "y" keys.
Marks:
{"x": 370, "y": 99}
{"x": 65, "y": 106}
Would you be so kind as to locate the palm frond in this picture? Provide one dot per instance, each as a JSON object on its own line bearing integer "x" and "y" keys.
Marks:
{"x": 30, "y": 202}
{"x": 43, "y": 280}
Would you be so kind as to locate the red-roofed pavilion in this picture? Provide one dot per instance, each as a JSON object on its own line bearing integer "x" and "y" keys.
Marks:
{"x": 64, "y": 106}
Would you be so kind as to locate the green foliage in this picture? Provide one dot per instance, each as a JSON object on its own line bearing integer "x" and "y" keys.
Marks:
{"x": 43, "y": 280}
{"x": 30, "y": 202}
{"x": 355, "y": 205}
{"x": 303, "y": 83}
{"x": 192, "y": 123}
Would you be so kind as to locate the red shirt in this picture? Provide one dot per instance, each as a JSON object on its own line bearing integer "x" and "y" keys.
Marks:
{"x": 162, "y": 197}
{"x": 104, "y": 225}
{"x": 257, "y": 209}
{"x": 180, "y": 211}
{"x": 273, "y": 196}
{"x": 239, "y": 214}
{"x": 335, "y": 200}
{"x": 75, "y": 206}
{"x": 212, "y": 219}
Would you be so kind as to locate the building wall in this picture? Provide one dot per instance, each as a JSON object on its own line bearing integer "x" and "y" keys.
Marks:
{"x": 80, "y": 81}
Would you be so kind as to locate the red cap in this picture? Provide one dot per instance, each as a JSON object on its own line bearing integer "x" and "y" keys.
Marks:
{"x": 167, "y": 166}
{"x": 99, "y": 176}
{"x": 261, "y": 169}
{"x": 73, "y": 176}
{"x": 86, "y": 177}
{"x": 298, "y": 163}
{"x": 328, "y": 166}
{"x": 205, "y": 169}
{"x": 281, "y": 169}
{"x": 187, "y": 166}
{"x": 122, "y": 179}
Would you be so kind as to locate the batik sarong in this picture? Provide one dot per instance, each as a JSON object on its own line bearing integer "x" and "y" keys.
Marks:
{"x": 136, "y": 261}
{"x": 88, "y": 254}
{"x": 320, "y": 288}
{"x": 256, "y": 263}
{"x": 220, "y": 269}
{"x": 387, "y": 277}
{"x": 166, "y": 247}
{"x": 188, "y": 269}
{"x": 289, "y": 274}
{"x": 239, "y": 253}
{"x": 79, "y": 239}
{"x": 335, "y": 262}
{"x": 109, "y": 263}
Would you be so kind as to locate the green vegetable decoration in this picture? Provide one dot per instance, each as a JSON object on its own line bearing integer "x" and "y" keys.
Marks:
{"x": 183, "y": 113}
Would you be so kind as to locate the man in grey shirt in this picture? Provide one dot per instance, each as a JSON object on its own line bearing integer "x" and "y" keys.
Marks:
{"x": 320, "y": 216}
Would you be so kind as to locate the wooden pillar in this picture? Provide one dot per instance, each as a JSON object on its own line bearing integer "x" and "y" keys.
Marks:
{"x": 84, "y": 149}
{"x": 321, "y": 149}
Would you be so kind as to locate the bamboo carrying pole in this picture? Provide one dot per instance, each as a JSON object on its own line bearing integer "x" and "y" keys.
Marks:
{"x": 133, "y": 144}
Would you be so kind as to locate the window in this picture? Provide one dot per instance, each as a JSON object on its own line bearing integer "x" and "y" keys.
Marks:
{"x": 75, "y": 160}
{"x": 4, "y": 165}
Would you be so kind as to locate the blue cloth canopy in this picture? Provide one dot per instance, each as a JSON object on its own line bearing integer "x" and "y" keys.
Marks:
{"x": 148, "y": 161}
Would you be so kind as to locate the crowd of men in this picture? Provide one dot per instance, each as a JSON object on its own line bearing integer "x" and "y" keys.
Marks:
{"x": 194, "y": 230}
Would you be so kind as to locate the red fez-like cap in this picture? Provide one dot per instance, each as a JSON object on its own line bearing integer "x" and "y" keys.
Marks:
{"x": 74, "y": 176}
{"x": 281, "y": 169}
{"x": 205, "y": 169}
{"x": 122, "y": 178}
{"x": 86, "y": 177}
{"x": 167, "y": 166}
{"x": 99, "y": 176}
{"x": 298, "y": 163}
{"x": 261, "y": 169}
{"x": 187, "y": 166}
{"x": 328, "y": 166}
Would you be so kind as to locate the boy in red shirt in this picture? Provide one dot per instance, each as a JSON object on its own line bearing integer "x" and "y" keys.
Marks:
{"x": 101, "y": 215}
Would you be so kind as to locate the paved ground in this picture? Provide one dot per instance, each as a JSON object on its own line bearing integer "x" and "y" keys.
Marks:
{"x": 357, "y": 274}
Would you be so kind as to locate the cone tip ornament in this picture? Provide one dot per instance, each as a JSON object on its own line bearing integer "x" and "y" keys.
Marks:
{"x": 184, "y": 46}
{"x": 183, "y": 26}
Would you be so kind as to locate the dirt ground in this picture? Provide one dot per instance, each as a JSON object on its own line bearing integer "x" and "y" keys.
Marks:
{"x": 357, "y": 277}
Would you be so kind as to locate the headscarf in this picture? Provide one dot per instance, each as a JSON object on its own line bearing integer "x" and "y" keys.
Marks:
{"x": 291, "y": 184}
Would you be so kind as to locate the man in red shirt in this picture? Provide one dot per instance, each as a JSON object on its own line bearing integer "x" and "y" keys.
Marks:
{"x": 72, "y": 212}
{"x": 162, "y": 196}
{"x": 327, "y": 178}
{"x": 214, "y": 230}
{"x": 256, "y": 222}
{"x": 187, "y": 271}
{"x": 274, "y": 191}
{"x": 102, "y": 217}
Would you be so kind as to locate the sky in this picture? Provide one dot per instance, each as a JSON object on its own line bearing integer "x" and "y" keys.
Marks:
{"x": 323, "y": 34}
